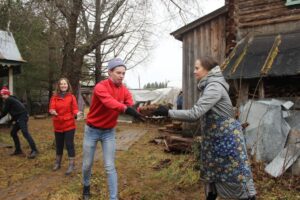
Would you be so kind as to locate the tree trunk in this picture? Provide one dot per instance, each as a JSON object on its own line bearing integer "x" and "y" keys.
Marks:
{"x": 71, "y": 69}
{"x": 98, "y": 66}
{"x": 29, "y": 101}
{"x": 51, "y": 60}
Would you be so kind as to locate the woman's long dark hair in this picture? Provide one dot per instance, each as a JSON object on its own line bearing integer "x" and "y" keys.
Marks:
{"x": 208, "y": 62}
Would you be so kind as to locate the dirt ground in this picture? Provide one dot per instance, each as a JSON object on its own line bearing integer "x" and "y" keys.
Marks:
{"x": 145, "y": 171}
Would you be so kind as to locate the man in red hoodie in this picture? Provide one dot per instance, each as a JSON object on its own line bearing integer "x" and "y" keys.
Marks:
{"x": 110, "y": 98}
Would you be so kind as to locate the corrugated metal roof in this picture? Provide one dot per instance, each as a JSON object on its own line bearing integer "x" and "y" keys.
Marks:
{"x": 273, "y": 55}
{"x": 9, "y": 51}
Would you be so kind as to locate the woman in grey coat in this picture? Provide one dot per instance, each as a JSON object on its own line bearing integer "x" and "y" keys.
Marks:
{"x": 224, "y": 165}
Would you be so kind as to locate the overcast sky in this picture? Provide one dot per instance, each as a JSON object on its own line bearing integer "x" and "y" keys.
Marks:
{"x": 165, "y": 63}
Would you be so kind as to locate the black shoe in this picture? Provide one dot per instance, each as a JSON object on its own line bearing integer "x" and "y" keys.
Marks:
{"x": 16, "y": 152}
{"x": 211, "y": 196}
{"x": 86, "y": 192}
{"x": 32, "y": 154}
{"x": 251, "y": 198}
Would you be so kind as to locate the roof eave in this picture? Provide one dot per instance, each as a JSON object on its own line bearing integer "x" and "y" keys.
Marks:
{"x": 12, "y": 61}
{"x": 178, "y": 34}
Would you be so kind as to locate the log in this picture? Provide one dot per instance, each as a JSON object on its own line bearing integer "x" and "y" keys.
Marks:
{"x": 169, "y": 127}
{"x": 270, "y": 21}
{"x": 178, "y": 144}
{"x": 177, "y": 125}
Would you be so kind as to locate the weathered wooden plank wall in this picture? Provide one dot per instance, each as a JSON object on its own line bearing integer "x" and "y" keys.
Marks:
{"x": 265, "y": 17}
{"x": 264, "y": 12}
{"x": 207, "y": 39}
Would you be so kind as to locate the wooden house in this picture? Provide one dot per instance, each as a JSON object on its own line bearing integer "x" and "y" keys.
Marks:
{"x": 257, "y": 42}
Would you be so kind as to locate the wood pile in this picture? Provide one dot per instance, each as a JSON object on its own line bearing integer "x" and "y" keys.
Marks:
{"x": 173, "y": 140}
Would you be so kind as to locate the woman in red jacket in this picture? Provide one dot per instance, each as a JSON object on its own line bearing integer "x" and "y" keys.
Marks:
{"x": 63, "y": 108}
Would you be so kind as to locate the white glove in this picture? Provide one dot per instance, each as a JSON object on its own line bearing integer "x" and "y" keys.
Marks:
{"x": 53, "y": 112}
{"x": 79, "y": 115}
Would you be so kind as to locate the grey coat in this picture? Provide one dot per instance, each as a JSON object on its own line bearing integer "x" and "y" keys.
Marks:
{"x": 214, "y": 96}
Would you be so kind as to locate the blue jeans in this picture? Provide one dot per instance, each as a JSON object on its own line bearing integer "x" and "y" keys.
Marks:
{"x": 108, "y": 143}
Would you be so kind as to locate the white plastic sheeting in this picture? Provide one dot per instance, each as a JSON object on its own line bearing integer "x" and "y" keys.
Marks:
{"x": 283, "y": 160}
{"x": 5, "y": 119}
{"x": 273, "y": 134}
{"x": 162, "y": 95}
{"x": 267, "y": 133}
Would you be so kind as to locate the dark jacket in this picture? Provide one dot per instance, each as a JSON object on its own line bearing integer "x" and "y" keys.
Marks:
{"x": 14, "y": 107}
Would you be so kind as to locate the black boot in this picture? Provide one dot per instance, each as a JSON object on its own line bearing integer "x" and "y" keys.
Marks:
{"x": 86, "y": 192}
{"x": 16, "y": 152}
{"x": 57, "y": 162}
{"x": 250, "y": 198}
{"x": 71, "y": 166}
{"x": 211, "y": 196}
{"x": 32, "y": 154}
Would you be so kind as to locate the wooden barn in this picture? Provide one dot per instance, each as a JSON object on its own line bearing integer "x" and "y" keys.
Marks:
{"x": 256, "y": 41}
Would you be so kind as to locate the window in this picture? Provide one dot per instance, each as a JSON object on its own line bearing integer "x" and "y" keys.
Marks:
{"x": 292, "y": 2}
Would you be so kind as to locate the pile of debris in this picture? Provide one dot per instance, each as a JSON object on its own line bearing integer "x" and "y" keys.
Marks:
{"x": 273, "y": 134}
{"x": 171, "y": 137}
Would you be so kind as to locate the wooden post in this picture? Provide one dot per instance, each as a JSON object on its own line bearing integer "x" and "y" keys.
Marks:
{"x": 243, "y": 93}
{"x": 261, "y": 90}
{"x": 10, "y": 79}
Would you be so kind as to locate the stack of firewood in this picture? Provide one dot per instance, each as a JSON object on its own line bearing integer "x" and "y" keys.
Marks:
{"x": 173, "y": 140}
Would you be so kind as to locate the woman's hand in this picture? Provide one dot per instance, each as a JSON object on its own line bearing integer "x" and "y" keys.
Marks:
{"x": 79, "y": 115}
{"x": 53, "y": 112}
{"x": 161, "y": 111}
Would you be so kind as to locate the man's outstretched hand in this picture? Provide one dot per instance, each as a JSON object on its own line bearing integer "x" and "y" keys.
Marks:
{"x": 132, "y": 112}
{"x": 161, "y": 111}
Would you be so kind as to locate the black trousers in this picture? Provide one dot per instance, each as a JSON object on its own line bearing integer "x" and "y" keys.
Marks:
{"x": 21, "y": 123}
{"x": 62, "y": 138}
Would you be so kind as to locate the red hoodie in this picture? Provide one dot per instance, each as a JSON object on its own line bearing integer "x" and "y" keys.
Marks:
{"x": 66, "y": 109}
{"x": 108, "y": 101}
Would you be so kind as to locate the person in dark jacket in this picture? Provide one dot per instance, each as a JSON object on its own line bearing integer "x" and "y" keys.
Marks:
{"x": 179, "y": 101}
{"x": 20, "y": 116}
{"x": 63, "y": 108}
{"x": 224, "y": 165}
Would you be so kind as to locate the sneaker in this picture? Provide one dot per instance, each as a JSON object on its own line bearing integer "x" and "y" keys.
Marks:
{"x": 86, "y": 192}
{"x": 32, "y": 154}
{"x": 16, "y": 152}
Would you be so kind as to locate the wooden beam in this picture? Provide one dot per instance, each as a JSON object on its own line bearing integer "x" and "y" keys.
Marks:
{"x": 10, "y": 79}
{"x": 261, "y": 90}
{"x": 270, "y": 21}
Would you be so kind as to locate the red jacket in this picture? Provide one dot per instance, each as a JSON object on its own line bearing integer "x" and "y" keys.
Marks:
{"x": 108, "y": 101}
{"x": 66, "y": 108}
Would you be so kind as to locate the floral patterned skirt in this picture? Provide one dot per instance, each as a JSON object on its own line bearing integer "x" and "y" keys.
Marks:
{"x": 223, "y": 156}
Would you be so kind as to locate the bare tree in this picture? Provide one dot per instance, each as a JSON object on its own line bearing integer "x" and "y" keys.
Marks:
{"x": 132, "y": 47}
{"x": 77, "y": 45}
